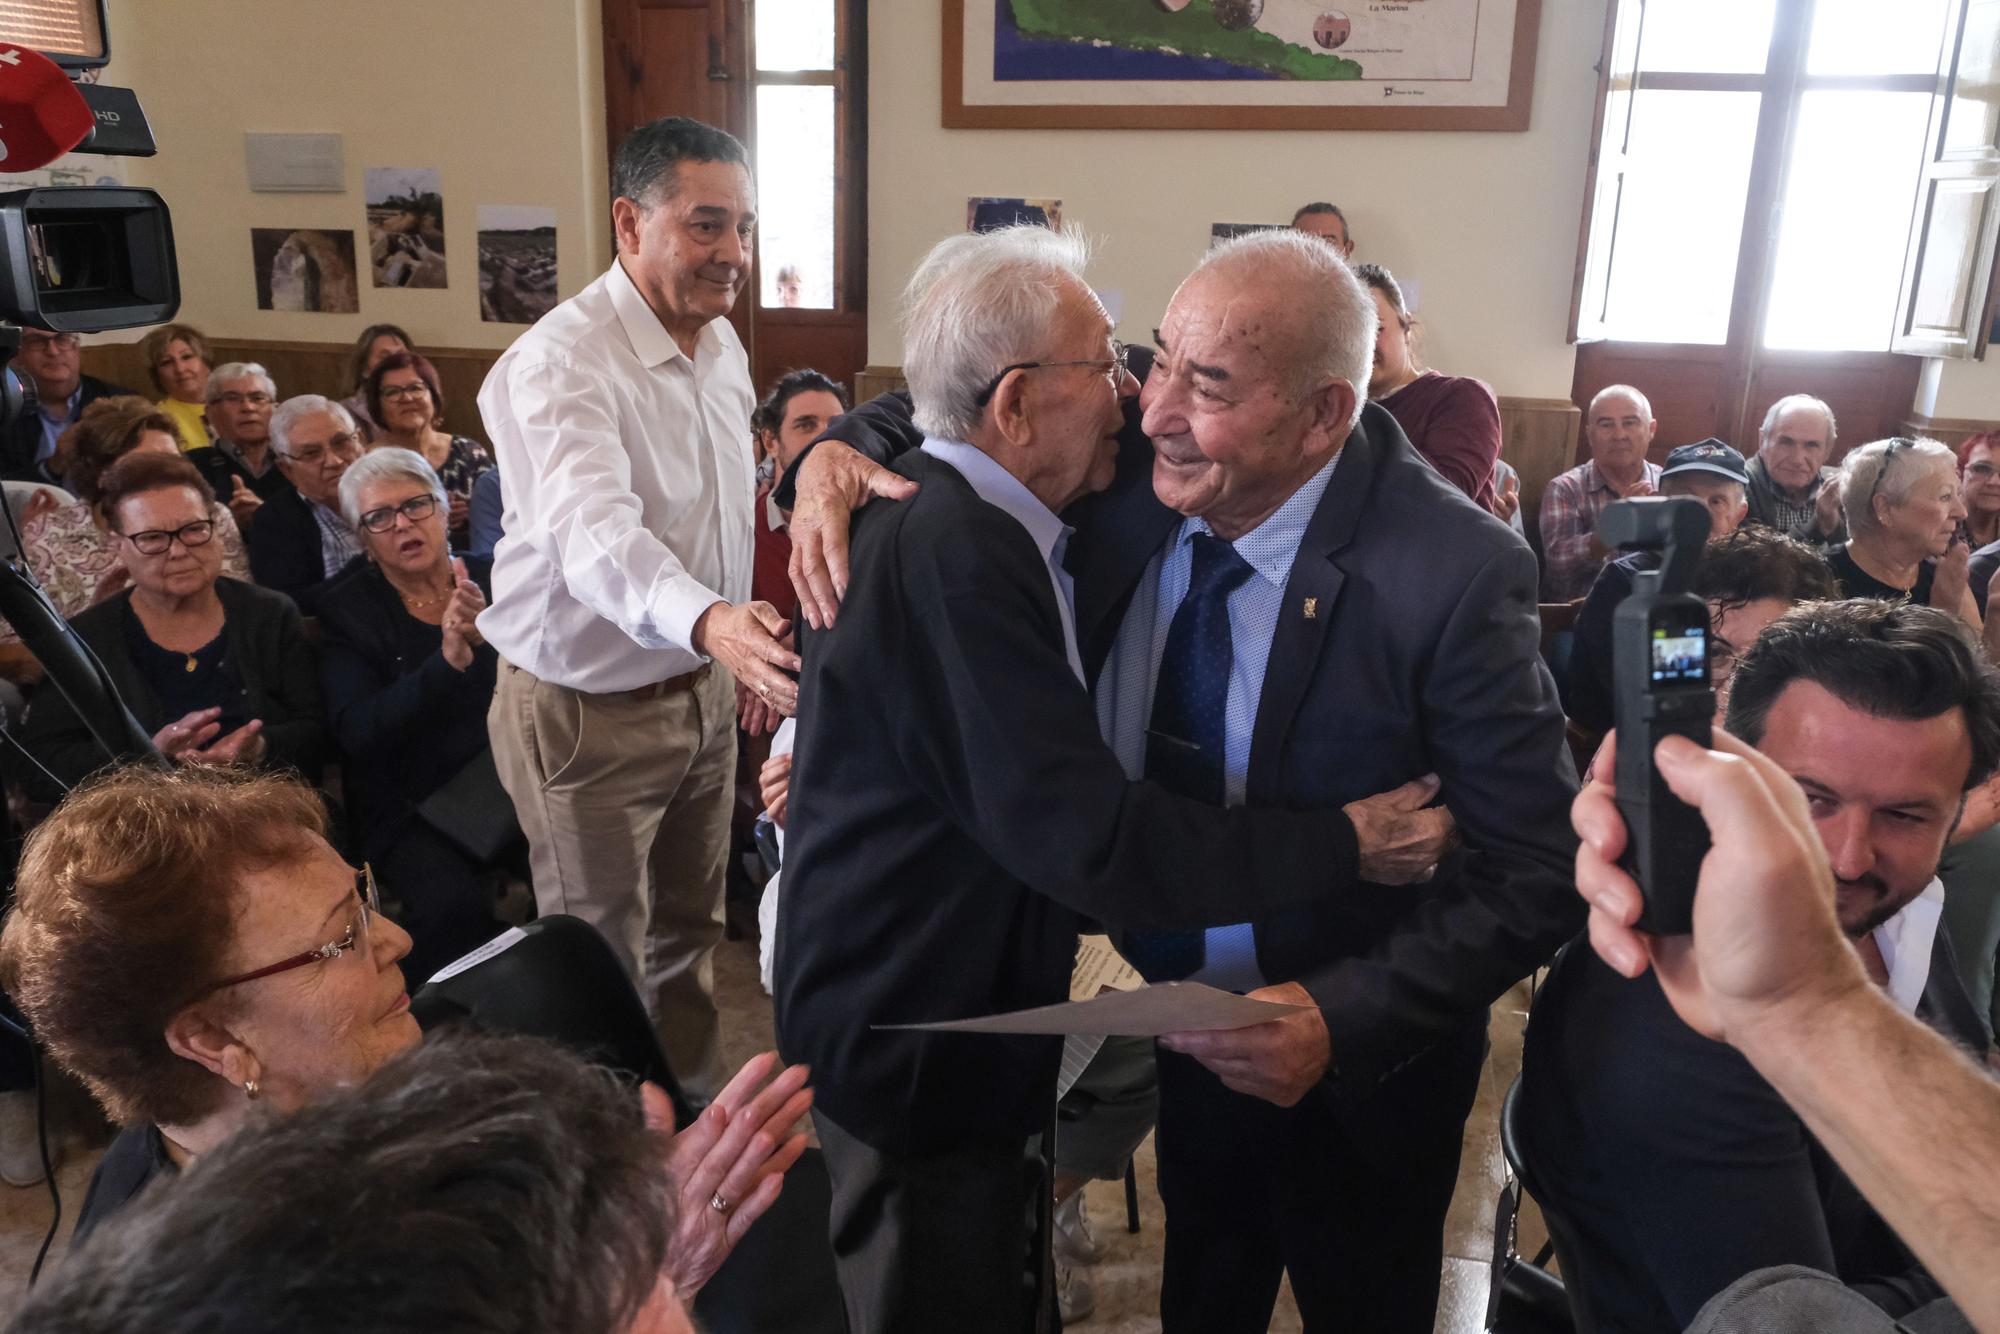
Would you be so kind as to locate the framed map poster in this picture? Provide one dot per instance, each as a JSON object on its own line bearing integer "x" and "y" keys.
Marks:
{"x": 1239, "y": 64}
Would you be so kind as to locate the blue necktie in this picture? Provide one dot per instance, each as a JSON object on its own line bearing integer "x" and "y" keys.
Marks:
{"x": 1185, "y": 740}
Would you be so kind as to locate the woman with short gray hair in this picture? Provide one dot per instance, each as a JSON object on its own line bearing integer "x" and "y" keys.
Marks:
{"x": 1904, "y": 503}
{"x": 407, "y": 679}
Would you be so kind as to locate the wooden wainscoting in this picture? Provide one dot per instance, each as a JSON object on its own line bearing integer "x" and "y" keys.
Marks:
{"x": 313, "y": 368}
{"x": 1953, "y": 431}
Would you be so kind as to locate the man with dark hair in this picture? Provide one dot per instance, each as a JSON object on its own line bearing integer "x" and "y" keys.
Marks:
{"x": 51, "y": 366}
{"x": 1327, "y": 222}
{"x": 622, "y": 605}
{"x": 1667, "y": 1167}
{"x": 800, "y": 405}
{"x": 1710, "y": 472}
{"x": 472, "y": 1184}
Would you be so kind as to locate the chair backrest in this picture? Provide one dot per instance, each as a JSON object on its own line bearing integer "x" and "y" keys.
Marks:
{"x": 555, "y": 978}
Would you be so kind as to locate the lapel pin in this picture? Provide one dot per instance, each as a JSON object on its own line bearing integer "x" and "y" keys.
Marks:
{"x": 1312, "y": 609}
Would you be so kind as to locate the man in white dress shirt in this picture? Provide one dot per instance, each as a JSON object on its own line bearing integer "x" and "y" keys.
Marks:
{"x": 621, "y": 589}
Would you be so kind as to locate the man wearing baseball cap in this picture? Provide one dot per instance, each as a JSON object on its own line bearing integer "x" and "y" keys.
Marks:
{"x": 1710, "y": 472}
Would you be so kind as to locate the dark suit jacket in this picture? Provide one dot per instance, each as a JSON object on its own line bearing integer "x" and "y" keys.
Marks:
{"x": 1670, "y": 1168}
{"x": 954, "y": 811}
{"x": 19, "y": 446}
{"x": 284, "y": 547}
{"x": 1422, "y": 655}
{"x": 266, "y": 643}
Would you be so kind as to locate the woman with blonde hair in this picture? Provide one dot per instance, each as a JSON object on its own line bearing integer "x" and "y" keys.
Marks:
{"x": 177, "y": 359}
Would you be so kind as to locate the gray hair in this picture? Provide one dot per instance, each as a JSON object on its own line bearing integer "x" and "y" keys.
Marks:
{"x": 386, "y": 464}
{"x": 1336, "y": 311}
{"x": 294, "y": 410}
{"x": 1862, "y": 467}
{"x": 977, "y": 302}
{"x": 1623, "y": 391}
{"x": 385, "y": 1205}
{"x": 237, "y": 370}
{"x": 643, "y": 171}
{"x": 1789, "y": 403}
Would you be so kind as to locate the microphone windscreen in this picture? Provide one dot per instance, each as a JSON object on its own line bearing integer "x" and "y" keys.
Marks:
{"x": 42, "y": 115}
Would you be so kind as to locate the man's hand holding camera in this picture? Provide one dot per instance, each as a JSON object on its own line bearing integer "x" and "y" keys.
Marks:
{"x": 1767, "y": 950}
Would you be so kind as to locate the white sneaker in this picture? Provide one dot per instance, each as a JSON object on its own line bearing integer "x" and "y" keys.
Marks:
{"x": 20, "y": 1150}
{"x": 1075, "y": 1297}
{"x": 1073, "y": 1239}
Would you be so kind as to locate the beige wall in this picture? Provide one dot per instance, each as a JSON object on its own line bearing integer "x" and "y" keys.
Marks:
{"x": 505, "y": 97}
{"x": 1965, "y": 390}
{"x": 1485, "y": 223}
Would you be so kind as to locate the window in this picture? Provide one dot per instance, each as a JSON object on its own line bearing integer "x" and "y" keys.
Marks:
{"x": 798, "y": 87}
{"x": 1756, "y": 170}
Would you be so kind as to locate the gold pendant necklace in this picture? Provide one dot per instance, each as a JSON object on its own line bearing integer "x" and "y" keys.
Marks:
{"x": 191, "y": 662}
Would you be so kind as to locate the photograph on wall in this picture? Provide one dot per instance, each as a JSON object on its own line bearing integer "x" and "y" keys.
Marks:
{"x": 1218, "y": 232}
{"x": 305, "y": 269}
{"x": 1239, "y": 64}
{"x": 517, "y": 263}
{"x": 405, "y": 226}
{"x": 989, "y": 213}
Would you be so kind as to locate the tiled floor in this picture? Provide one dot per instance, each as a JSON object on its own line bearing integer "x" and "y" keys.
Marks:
{"x": 1127, "y": 1281}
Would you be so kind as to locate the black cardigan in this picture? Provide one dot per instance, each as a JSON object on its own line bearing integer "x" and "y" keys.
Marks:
{"x": 404, "y": 724}
{"x": 268, "y": 646}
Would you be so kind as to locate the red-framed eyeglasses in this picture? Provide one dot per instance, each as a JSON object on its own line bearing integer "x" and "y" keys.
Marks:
{"x": 355, "y": 936}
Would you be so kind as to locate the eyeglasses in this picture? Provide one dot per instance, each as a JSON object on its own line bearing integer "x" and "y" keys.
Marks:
{"x": 343, "y": 448}
{"x": 155, "y": 541}
{"x": 44, "y": 342}
{"x": 396, "y": 393}
{"x": 1112, "y": 367}
{"x": 1875, "y": 489}
{"x": 416, "y": 509}
{"x": 355, "y": 936}
{"x": 1981, "y": 470}
{"x": 255, "y": 399}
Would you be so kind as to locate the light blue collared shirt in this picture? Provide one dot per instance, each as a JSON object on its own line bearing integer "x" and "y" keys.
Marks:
{"x": 53, "y": 427}
{"x": 1125, "y": 687}
{"x": 1001, "y": 489}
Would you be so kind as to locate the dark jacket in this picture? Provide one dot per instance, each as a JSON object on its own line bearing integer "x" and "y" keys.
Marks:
{"x": 947, "y": 760}
{"x": 1406, "y": 666}
{"x": 285, "y": 553}
{"x": 268, "y": 647}
{"x": 405, "y": 721}
{"x": 220, "y": 470}
{"x": 1669, "y": 1168}
{"x": 19, "y": 446}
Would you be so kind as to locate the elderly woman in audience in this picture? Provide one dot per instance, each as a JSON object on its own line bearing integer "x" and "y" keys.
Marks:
{"x": 1979, "y": 474}
{"x": 177, "y": 358}
{"x": 216, "y": 670}
{"x": 1453, "y": 421}
{"x": 408, "y": 680}
{"x": 405, "y": 398}
{"x": 70, "y": 548}
{"x": 377, "y": 343}
{"x": 191, "y": 947}
{"x": 1904, "y": 504}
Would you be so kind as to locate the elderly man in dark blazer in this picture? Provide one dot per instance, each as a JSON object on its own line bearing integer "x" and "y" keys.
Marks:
{"x": 1375, "y": 626}
{"x": 301, "y": 542}
{"x": 956, "y": 815}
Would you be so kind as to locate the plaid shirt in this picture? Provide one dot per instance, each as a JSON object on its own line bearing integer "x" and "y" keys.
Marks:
{"x": 338, "y": 544}
{"x": 1570, "y": 506}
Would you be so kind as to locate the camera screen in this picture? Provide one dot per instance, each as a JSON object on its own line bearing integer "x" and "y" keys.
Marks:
{"x": 1680, "y": 653}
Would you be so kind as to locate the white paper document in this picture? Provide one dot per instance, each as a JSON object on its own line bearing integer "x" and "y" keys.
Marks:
{"x": 1170, "y": 1007}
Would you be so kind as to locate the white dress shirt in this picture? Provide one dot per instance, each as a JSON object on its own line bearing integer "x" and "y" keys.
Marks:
{"x": 629, "y": 490}
{"x": 1906, "y": 941}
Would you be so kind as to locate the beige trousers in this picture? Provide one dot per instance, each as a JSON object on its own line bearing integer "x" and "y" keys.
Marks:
{"x": 626, "y": 806}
